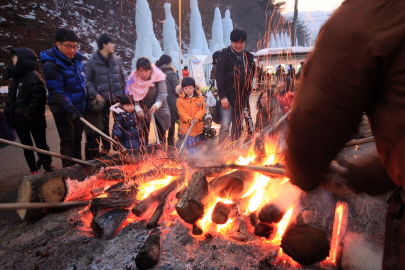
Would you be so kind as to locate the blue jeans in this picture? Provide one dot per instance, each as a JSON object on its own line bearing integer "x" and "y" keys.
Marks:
{"x": 228, "y": 117}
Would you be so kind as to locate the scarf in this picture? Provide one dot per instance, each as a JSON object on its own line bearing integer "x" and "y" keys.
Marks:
{"x": 138, "y": 88}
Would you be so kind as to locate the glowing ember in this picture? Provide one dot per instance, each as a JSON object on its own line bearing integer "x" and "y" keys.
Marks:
{"x": 147, "y": 188}
{"x": 338, "y": 226}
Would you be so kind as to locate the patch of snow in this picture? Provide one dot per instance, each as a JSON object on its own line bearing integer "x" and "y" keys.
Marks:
{"x": 30, "y": 16}
{"x": 3, "y": 89}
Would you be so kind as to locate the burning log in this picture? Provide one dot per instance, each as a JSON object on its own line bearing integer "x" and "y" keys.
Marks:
{"x": 149, "y": 254}
{"x": 270, "y": 213}
{"x": 197, "y": 230}
{"x": 307, "y": 239}
{"x": 222, "y": 212}
{"x": 46, "y": 187}
{"x": 141, "y": 207}
{"x": 265, "y": 230}
{"x": 118, "y": 196}
{"x": 106, "y": 225}
{"x": 262, "y": 229}
{"x": 153, "y": 221}
{"x": 232, "y": 186}
{"x": 191, "y": 205}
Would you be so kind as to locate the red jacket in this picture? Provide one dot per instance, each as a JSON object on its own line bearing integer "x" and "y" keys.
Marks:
{"x": 185, "y": 73}
{"x": 285, "y": 101}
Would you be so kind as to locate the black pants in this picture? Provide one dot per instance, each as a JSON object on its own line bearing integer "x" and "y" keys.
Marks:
{"x": 170, "y": 135}
{"x": 39, "y": 135}
{"x": 70, "y": 134}
{"x": 92, "y": 146}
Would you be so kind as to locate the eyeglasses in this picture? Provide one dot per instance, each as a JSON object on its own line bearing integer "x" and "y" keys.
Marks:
{"x": 264, "y": 98}
{"x": 70, "y": 47}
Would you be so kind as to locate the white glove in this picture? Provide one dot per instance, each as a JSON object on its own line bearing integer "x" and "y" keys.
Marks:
{"x": 116, "y": 108}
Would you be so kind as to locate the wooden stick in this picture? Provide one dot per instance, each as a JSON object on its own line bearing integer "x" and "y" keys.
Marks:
{"x": 155, "y": 128}
{"x": 185, "y": 138}
{"x": 102, "y": 133}
{"x": 277, "y": 123}
{"x": 41, "y": 205}
{"x": 45, "y": 152}
{"x": 360, "y": 141}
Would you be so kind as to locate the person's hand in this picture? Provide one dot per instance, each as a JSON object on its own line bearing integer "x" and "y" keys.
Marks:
{"x": 225, "y": 103}
{"x": 257, "y": 135}
{"x": 194, "y": 121}
{"x": 153, "y": 109}
{"x": 141, "y": 114}
{"x": 74, "y": 113}
{"x": 336, "y": 179}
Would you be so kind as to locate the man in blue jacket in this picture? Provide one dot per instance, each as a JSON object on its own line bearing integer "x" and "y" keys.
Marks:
{"x": 64, "y": 74}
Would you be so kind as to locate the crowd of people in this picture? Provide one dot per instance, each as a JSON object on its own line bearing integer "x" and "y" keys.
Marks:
{"x": 92, "y": 93}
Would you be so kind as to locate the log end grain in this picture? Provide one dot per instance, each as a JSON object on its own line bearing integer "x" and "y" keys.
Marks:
{"x": 305, "y": 244}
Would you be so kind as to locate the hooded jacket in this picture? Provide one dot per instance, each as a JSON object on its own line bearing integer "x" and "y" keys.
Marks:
{"x": 234, "y": 79}
{"x": 25, "y": 105}
{"x": 189, "y": 108}
{"x": 105, "y": 76}
{"x": 172, "y": 81}
{"x": 65, "y": 81}
{"x": 126, "y": 129}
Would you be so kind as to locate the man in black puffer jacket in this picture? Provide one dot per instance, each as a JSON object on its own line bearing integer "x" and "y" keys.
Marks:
{"x": 105, "y": 79}
{"x": 234, "y": 75}
{"x": 25, "y": 106}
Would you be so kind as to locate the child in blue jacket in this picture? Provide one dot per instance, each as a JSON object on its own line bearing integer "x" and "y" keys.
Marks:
{"x": 125, "y": 129}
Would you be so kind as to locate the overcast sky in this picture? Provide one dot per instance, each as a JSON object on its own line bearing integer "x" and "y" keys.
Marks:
{"x": 312, "y": 5}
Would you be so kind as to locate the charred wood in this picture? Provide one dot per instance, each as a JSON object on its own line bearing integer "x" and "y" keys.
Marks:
{"x": 190, "y": 206}
{"x": 149, "y": 254}
{"x": 265, "y": 230}
{"x": 141, "y": 207}
{"x": 153, "y": 221}
{"x": 197, "y": 230}
{"x": 222, "y": 212}
{"x": 305, "y": 244}
{"x": 106, "y": 225}
{"x": 307, "y": 239}
{"x": 232, "y": 186}
{"x": 270, "y": 213}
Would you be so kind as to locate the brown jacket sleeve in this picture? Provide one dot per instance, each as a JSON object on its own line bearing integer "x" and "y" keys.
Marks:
{"x": 341, "y": 80}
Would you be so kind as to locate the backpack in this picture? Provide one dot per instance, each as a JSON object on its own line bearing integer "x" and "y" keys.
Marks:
{"x": 215, "y": 107}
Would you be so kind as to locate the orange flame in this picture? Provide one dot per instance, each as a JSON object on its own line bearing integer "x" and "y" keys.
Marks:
{"x": 338, "y": 227}
{"x": 147, "y": 188}
{"x": 282, "y": 226}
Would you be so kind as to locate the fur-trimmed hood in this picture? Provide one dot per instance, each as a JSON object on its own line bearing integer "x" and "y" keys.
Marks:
{"x": 179, "y": 89}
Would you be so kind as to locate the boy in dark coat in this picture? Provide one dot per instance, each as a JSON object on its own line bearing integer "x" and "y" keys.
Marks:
{"x": 125, "y": 129}
{"x": 25, "y": 106}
